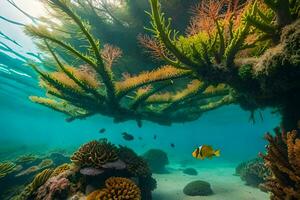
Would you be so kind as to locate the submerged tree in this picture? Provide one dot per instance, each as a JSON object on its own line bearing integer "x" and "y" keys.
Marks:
{"x": 251, "y": 47}
{"x": 90, "y": 86}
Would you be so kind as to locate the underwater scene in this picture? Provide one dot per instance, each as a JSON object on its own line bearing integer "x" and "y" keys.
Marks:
{"x": 149, "y": 99}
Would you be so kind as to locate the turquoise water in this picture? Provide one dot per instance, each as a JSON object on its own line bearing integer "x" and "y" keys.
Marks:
{"x": 28, "y": 128}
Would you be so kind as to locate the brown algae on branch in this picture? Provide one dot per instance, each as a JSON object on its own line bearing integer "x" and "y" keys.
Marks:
{"x": 80, "y": 92}
{"x": 248, "y": 47}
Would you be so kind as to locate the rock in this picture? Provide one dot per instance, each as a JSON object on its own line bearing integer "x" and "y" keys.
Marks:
{"x": 190, "y": 171}
{"x": 197, "y": 188}
{"x": 157, "y": 159}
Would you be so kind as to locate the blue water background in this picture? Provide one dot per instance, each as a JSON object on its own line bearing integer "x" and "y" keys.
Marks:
{"x": 26, "y": 127}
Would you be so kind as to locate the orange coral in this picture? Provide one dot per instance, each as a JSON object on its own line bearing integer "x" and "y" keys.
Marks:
{"x": 94, "y": 195}
{"x": 119, "y": 188}
{"x": 283, "y": 159}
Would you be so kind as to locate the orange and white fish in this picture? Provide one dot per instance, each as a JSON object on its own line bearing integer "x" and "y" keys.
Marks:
{"x": 205, "y": 151}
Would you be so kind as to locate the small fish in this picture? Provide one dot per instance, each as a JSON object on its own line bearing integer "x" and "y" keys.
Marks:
{"x": 102, "y": 130}
{"x": 205, "y": 151}
{"x": 154, "y": 137}
{"x": 127, "y": 136}
{"x": 172, "y": 145}
{"x": 140, "y": 138}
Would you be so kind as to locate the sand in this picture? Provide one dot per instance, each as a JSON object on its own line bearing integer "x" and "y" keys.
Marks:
{"x": 225, "y": 185}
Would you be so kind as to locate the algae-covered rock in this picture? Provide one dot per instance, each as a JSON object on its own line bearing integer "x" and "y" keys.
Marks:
{"x": 157, "y": 160}
{"x": 253, "y": 172}
{"x": 190, "y": 171}
{"x": 197, "y": 188}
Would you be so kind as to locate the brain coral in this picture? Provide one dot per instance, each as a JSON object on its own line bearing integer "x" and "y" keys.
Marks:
{"x": 119, "y": 188}
{"x": 95, "y": 154}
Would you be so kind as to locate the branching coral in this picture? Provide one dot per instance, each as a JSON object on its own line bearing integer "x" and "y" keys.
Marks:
{"x": 121, "y": 188}
{"x": 283, "y": 159}
{"x": 6, "y": 168}
{"x": 82, "y": 93}
{"x": 95, "y": 154}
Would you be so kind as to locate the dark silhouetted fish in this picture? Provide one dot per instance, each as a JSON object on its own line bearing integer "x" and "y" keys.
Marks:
{"x": 154, "y": 137}
{"x": 102, "y": 130}
{"x": 127, "y": 136}
{"x": 172, "y": 145}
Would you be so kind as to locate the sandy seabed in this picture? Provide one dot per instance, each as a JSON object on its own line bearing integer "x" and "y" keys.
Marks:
{"x": 225, "y": 185}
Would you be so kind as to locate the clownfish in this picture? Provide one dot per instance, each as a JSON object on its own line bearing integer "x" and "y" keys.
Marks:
{"x": 205, "y": 151}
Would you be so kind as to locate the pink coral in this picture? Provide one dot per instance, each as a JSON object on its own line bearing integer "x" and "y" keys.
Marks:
{"x": 55, "y": 187}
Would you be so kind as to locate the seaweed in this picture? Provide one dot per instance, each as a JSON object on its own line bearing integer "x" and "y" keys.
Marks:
{"x": 223, "y": 45}
{"x": 91, "y": 87}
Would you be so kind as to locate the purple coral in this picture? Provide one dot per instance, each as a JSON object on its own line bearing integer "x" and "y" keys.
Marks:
{"x": 55, "y": 187}
{"x": 119, "y": 164}
{"x": 90, "y": 171}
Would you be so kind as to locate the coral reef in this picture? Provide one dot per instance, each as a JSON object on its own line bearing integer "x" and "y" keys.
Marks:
{"x": 157, "y": 160}
{"x": 197, "y": 188}
{"x": 120, "y": 188}
{"x": 38, "y": 181}
{"x": 253, "y": 172}
{"x": 283, "y": 159}
{"x": 6, "y": 168}
{"x": 190, "y": 171}
{"x": 92, "y": 175}
{"x": 95, "y": 154}
{"x": 55, "y": 188}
